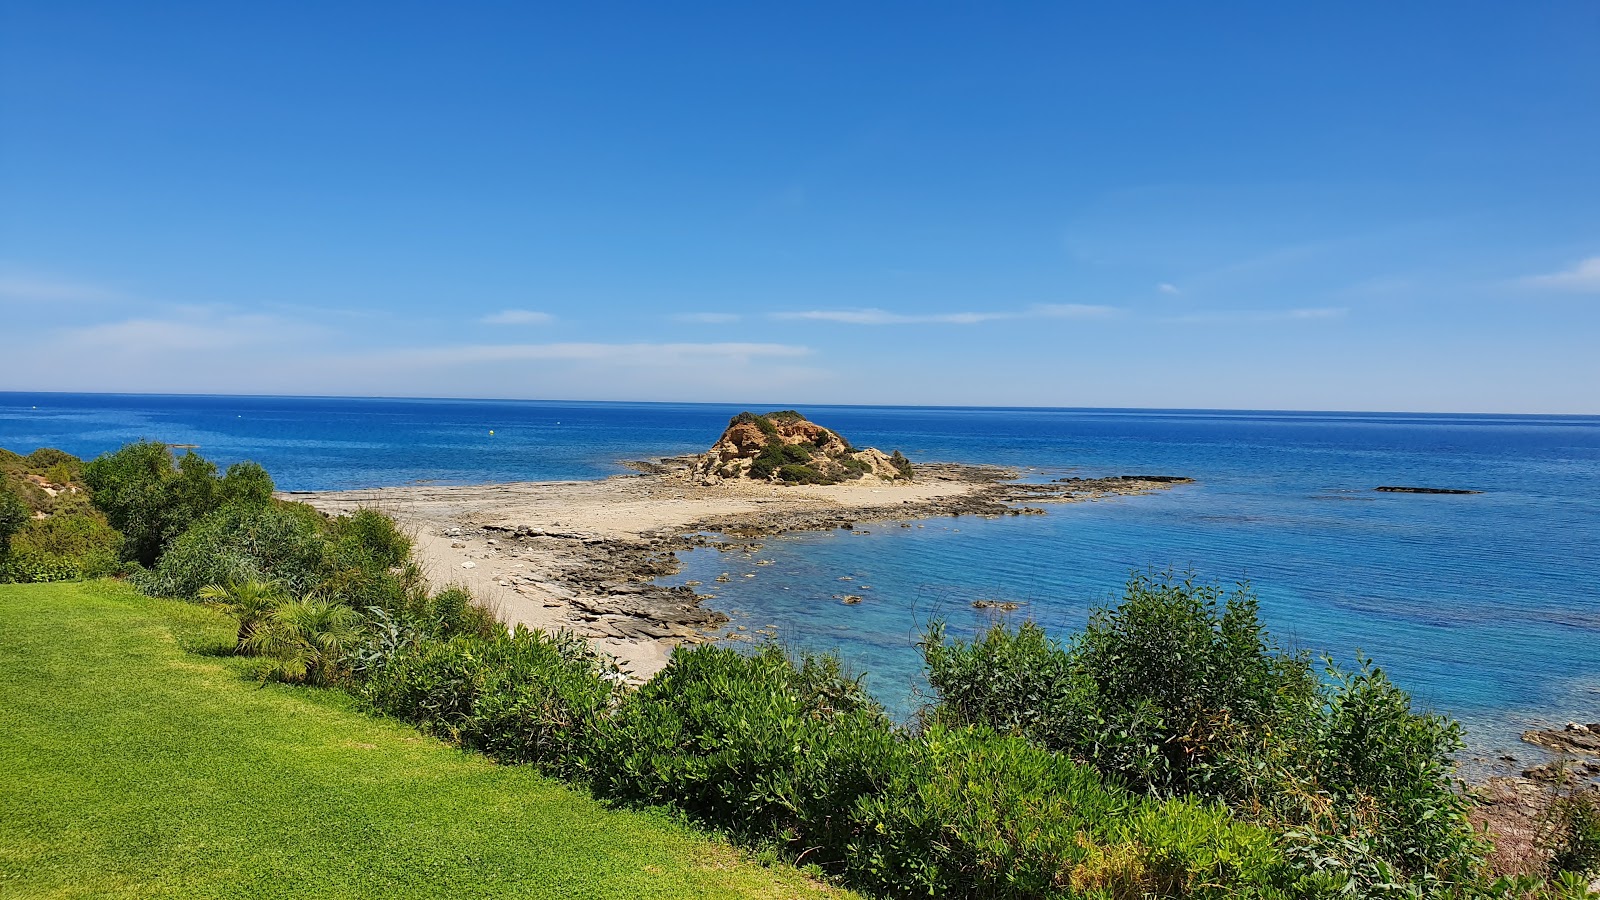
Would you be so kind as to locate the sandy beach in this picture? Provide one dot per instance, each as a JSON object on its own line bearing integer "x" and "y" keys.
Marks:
{"x": 581, "y": 555}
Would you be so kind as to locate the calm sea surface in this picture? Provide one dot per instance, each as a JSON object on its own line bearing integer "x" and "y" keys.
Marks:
{"x": 1485, "y": 606}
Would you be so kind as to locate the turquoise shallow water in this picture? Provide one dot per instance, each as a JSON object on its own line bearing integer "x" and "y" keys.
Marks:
{"x": 1484, "y": 606}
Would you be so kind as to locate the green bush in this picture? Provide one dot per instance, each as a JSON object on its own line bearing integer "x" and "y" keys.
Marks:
{"x": 367, "y": 564}
{"x": 151, "y": 499}
{"x": 1371, "y": 784}
{"x": 1178, "y": 691}
{"x": 901, "y": 465}
{"x": 14, "y": 515}
{"x": 1017, "y": 682}
{"x": 281, "y": 543}
{"x": 767, "y": 750}
{"x": 47, "y": 458}
{"x": 519, "y": 697}
{"x": 1575, "y": 833}
{"x": 977, "y": 814}
{"x": 67, "y": 546}
{"x": 246, "y": 482}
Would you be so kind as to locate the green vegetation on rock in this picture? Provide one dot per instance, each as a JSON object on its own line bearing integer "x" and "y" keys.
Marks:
{"x": 783, "y": 447}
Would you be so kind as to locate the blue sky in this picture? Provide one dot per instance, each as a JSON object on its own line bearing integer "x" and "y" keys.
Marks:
{"x": 1294, "y": 206}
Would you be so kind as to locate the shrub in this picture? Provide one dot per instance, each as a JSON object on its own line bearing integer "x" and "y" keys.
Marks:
{"x": 1186, "y": 679}
{"x": 1178, "y": 691}
{"x": 246, "y": 482}
{"x": 306, "y": 641}
{"x": 770, "y": 751}
{"x": 148, "y": 498}
{"x": 1372, "y": 783}
{"x": 1575, "y": 833}
{"x": 281, "y": 543}
{"x": 901, "y": 465}
{"x": 979, "y": 814}
{"x": 47, "y": 458}
{"x": 453, "y": 611}
{"x": 367, "y": 563}
{"x": 14, "y": 515}
{"x": 63, "y": 547}
{"x": 518, "y": 697}
{"x": 251, "y": 602}
{"x": 1017, "y": 682}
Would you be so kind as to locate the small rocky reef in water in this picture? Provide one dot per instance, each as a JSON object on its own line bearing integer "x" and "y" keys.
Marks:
{"x": 786, "y": 448}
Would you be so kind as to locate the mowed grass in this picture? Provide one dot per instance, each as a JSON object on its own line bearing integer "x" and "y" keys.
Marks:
{"x": 137, "y": 760}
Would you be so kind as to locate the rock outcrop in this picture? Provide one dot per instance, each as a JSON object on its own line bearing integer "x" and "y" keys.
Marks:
{"x": 786, "y": 448}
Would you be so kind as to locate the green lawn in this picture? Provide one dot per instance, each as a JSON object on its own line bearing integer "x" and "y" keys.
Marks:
{"x": 137, "y": 761}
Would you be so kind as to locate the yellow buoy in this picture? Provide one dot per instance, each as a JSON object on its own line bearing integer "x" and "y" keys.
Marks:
{"x": 491, "y": 432}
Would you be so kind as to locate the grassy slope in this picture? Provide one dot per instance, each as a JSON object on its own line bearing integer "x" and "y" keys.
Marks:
{"x": 131, "y": 766}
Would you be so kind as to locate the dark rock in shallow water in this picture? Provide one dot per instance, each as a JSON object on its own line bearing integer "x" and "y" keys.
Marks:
{"x": 1393, "y": 489}
{"x": 1159, "y": 479}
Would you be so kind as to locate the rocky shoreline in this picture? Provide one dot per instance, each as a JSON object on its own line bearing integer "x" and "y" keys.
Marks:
{"x": 584, "y": 556}
{"x": 1514, "y": 809}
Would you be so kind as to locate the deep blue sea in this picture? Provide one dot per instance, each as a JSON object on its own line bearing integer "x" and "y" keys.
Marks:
{"x": 1486, "y": 607}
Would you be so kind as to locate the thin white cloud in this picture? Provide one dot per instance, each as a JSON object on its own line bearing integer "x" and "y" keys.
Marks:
{"x": 707, "y": 318}
{"x": 197, "y": 333}
{"x": 884, "y": 317}
{"x": 27, "y": 288}
{"x": 1167, "y": 287}
{"x": 1070, "y": 311}
{"x": 636, "y": 354}
{"x": 1261, "y": 315}
{"x": 1320, "y": 312}
{"x": 1583, "y": 277}
{"x": 518, "y": 317}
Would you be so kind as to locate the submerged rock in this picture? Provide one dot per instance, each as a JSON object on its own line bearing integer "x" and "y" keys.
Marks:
{"x": 1397, "y": 489}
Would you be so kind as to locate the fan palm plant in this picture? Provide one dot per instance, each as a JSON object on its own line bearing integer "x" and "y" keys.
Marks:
{"x": 250, "y": 601}
{"x": 307, "y": 641}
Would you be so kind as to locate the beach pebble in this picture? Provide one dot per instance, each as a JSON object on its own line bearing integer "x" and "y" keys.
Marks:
{"x": 469, "y": 564}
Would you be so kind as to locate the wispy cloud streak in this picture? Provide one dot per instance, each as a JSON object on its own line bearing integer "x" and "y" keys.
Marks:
{"x": 518, "y": 317}
{"x": 634, "y": 354}
{"x": 873, "y": 316}
{"x": 1583, "y": 277}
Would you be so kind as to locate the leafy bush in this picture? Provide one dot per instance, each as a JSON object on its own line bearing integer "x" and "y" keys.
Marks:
{"x": 14, "y": 515}
{"x": 1186, "y": 680}
{"x": 979, "y": 814}
{"x": 150, "y": 499}
{"x": 281, "y": 543}
{"x": 1017, "y": 682}
{"x": 367, "y": 563}
{"x": 47, "y": 458}
{"x": 1370, "y": 787}
{"x": 1171, "y": 691}
{"x": 1178, "y": 691}
{"x": 901, "y": 464}
{"x": 63, "y": 547}
{"x": 1575, "y": 833}
{"x": 246, "y": 482}
{"x": 519, "y": 697}
{"x": 770, "y": 751}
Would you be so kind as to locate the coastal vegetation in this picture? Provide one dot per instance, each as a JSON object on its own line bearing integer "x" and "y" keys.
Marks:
{"x": 141, "y": 760}
{"x": 1170, "y": 748}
